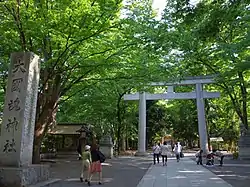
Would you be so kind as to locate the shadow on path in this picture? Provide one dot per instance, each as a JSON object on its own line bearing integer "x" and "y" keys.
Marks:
{"x": 118, "y": 172}
{"x": 235, "y": 172}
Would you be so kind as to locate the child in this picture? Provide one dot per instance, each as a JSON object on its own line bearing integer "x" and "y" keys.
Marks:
{"x": 86, "y": 161}
{"x": 210, "y": 159}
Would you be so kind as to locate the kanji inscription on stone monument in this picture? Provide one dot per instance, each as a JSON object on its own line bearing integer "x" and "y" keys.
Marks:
{"x": 16, "y": 85}
{"x": 12, "y": 126}
{"x": 19, "y": 66}
{"x": 14, "y": 104}
{"x": 18, "y": 72}
{"x": 9, "y": 146}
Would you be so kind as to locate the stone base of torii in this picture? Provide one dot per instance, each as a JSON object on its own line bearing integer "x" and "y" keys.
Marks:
{"x": 199, "y": 94}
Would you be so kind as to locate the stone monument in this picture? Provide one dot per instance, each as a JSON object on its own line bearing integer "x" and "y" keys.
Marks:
{"x": 17, "y": 128}
{"x": 106, "y": 146}
{"x": 244, "y": 143}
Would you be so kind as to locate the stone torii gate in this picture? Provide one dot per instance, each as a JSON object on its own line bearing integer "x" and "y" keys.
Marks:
{"x": 199, "y": 94}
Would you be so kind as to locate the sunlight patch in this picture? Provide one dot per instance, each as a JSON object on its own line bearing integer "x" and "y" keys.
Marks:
{"x": 215, "y": 178}
{"x": 197, "y": 171}
{"x": 106, "y": 164}
{"x": 178, "y": 177}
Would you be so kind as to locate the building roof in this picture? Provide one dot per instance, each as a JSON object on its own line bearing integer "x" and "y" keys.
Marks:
{"x": 216, "y": 139}
{"x": 69, "y": 128}
{"x": 69, "y": 123}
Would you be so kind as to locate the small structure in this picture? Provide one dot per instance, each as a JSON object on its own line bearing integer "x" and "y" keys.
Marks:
{"x": 67, "y": 136}
{"x": 216, "y": 142}
{"x": 218, "y": 139}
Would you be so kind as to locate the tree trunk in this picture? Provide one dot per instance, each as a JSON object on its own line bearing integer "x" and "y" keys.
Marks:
{"x": 127, "y": 143}
{"x": 190, "y": 143}
{"x": 119, "y": 139}
{"x": 40, "y": 131}
{"x": 123, "y": 143}
{"x": 244, "y": 99}
{"x": 47, "y": 104}
{"x": 208, "y": 142}
{"x": 36, "y": 150}
{"x": 119, "y": 124}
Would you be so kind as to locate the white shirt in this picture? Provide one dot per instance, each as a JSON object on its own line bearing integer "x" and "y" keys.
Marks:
{"x": 218, "y": 153}
{"x": 177, "y": 148}
{"x": 164, "y": 150}
{"x": 156, "y": 149}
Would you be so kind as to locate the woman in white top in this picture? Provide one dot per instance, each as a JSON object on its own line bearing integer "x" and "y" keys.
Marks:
{"x": 164, "y": 153}
{"x": 156, "y": 152}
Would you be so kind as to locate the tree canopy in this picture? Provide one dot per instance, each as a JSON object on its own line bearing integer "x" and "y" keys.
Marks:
{"x": 95, "y": 51}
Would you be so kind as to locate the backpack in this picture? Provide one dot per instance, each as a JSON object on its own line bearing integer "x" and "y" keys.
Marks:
{"x": 101, "y": 156}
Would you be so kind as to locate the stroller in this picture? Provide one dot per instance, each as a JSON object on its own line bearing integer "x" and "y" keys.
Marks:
{"x": 210, "y": 159}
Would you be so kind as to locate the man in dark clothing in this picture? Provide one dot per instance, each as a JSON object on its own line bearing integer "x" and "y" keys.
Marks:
{"x": 199, "y": 157}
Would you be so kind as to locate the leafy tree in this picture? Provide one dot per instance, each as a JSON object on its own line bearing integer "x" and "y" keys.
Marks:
{"x": 157, "y": 121}
{"x": 211, "y": 38}
{"x": 75, "y": 39}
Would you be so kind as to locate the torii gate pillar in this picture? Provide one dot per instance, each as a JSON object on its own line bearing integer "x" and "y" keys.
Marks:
{"x": 201, "y": 118}
{"x": 142, "y": 125}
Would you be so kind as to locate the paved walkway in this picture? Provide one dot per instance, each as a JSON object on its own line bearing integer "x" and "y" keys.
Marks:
{"x": 237, "y": 174}
{"x": 139, "y": 172}
{"x": 186, "y": 173}
{"x": 118, "y": 172}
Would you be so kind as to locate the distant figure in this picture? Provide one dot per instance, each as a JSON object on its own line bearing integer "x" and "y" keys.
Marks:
{"x": 164, "y": 153}
{"x": 220, "y": 155}
{"x": 177, "y": 150}
{"x": 198, "y": 156}
{"x": 173, "y": 145}
{"x": 156, "y": 152}
{"x": 170, "y": 149}
{"x": 210, "y": 159}
{"x": 243, "y": 129}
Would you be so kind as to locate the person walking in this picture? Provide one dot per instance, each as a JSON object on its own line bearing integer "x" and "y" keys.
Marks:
{"x": 86, "y": 162}
{"x": 177, "y": 150}
{"x": 199, "y": 156}
{"x": 96, "y": 166}
{"x": 164, "y": 153}
{"x": 156, "y": 152}
{"x": 219, "y": 155}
